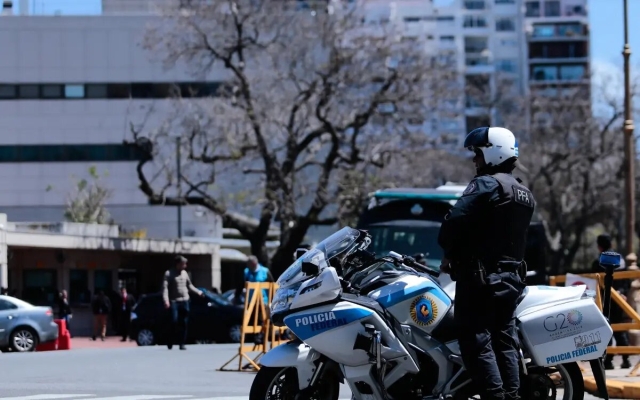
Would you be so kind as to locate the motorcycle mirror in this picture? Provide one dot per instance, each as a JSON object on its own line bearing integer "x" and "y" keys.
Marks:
{"x": 300, "y": 252}
{"x": 610, "y": 259}
{"x": 310, "y": 268}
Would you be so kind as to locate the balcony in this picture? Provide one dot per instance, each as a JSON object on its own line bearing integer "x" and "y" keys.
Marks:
{"x": 559, "y": 32}
{"x": 555, "y": 73}
{"x": 475, "y": 5}
{"x": 558, "y": 52}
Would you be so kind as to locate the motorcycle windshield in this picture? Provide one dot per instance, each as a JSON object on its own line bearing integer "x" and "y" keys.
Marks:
{"x": 331, "y": 247}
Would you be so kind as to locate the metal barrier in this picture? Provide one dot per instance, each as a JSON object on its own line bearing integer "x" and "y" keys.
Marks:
{"x": 256, "y": 321}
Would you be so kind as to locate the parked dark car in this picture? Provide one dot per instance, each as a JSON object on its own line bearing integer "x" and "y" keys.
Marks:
{"x": 212, "y": 319}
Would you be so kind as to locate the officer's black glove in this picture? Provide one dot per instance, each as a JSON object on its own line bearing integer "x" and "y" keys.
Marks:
{"x": 445, "y": 266}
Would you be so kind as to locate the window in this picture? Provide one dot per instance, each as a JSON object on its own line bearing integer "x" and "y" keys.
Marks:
{"x": 110, "y": 90}
{"x": 575, "y": 10}
{"x": 96, "y": 91}
{"x": 558, "y": 50}
{"x": 8, "y": 91}
{"x": 7, "y": 305}
{"x": 544, "y": 73}
{"x": 51, "y": 91}
{"x": 552, "y": 8}
{"x": 475, "y": 44}
{"x": 505, "y": 1}
{"x": 505, "y": 25}
{"x": 474, "y": 4}
{"x": 73, "y": 91}
{"x": 532, "y": 9}
{"x": 544, "y": 30}
{"x": 570, "y": 30}
{"x": 40, "y": 286}
{"x": 447, "y": 39}
{"x": 102, "y": 280}
{"x": 118, "y": 91}
{"x": 69, "y": 153}
{"x": 79, "y": 286}
{"x": 477, "y": 122}
{"x": 572, "y": 72}
{"x": 509, "y": 42}
{"x": 474, "y": 21}
{"x": 507, "y": 65}
{"x": 471, "y": 61}
{"x": 29, "y": 91}
{"x": 445, "y": 19}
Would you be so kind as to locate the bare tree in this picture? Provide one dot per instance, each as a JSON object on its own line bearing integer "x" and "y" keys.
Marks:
{"x": 312, "y": 103}
{"x": 574, "y": 159}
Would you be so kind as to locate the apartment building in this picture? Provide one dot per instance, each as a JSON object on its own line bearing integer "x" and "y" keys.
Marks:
{"x": 558, "y": 46}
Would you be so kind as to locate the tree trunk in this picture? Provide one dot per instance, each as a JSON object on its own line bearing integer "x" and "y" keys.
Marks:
{"x": 259, "y": 249}
{"x": 290, "y": 239}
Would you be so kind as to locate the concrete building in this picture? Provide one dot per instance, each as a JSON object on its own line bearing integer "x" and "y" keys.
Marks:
{"x": 69, "y": 87}
{"x": 558, "y": 51}
{"x": 37, "y": 261}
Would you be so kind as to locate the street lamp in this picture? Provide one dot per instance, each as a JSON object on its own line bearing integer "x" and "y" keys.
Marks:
{"x": 629, "y": 147}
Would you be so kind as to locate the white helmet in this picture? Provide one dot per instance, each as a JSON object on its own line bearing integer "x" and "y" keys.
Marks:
{"x": 497, "y": 144}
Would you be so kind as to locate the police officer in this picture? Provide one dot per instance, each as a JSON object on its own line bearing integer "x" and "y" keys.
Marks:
{"x": 483, "y": 237}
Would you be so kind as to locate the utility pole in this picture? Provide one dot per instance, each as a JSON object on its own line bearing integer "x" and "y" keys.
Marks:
{"x": 629, "y": 142}
{"x": 179, "y": 172}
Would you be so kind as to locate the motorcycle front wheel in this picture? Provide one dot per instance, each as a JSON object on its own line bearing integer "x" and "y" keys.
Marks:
{"x": 281, "y": 383}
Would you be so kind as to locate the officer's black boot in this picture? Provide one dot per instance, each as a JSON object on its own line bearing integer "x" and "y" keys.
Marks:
{"x": 625, "y": 362}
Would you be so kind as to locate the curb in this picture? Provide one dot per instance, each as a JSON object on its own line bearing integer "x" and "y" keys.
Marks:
{"x": 616, "y": 389}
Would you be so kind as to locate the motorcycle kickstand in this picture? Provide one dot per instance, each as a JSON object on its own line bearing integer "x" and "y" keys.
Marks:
{"x": 381, "y": 365}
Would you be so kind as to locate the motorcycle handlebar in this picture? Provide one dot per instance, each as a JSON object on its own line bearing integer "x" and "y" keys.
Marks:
{"x": 410, "y": 261}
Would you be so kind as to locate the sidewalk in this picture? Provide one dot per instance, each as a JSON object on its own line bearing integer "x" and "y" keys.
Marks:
{"x": 110, "y": 342}
{"x": 619, "y": 384}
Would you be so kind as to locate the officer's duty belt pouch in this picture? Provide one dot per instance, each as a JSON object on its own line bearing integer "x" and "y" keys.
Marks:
{"x": 478, "y": 273}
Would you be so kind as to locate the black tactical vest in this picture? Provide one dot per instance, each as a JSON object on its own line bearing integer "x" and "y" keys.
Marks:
{"x": 502, "y": 233}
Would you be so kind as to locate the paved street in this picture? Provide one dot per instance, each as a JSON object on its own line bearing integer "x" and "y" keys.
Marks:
{"x": 129, "y": 373}
{"x": 147, "y": 372}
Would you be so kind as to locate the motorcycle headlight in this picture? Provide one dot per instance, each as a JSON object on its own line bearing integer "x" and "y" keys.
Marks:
{"x": 283, "y": 298}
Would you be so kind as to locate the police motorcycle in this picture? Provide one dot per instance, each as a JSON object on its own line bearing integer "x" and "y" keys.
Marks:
{"x": 385, "y": 327}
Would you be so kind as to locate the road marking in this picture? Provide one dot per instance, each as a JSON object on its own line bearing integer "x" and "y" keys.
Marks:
{"x": 142, "y": 397}
{"x": 47, "y": 397}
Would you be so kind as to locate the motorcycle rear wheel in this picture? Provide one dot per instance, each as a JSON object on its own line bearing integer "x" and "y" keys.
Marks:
{"x": 281, "y": 383}
{"x": 543, "y": 384}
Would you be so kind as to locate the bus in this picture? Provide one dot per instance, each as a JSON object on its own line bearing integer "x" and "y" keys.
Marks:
{"x": 407, "y": 220}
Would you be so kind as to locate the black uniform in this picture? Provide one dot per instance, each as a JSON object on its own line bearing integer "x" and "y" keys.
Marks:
{"x": 487, "y": 229}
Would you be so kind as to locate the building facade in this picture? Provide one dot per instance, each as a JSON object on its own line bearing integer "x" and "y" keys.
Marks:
{"x": 70, "y": 86}
{"x": 558, "y": 46}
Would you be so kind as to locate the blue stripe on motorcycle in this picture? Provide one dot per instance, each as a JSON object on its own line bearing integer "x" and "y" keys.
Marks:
{"x": 411, "y": 292}
{"x": 306, "y": 326}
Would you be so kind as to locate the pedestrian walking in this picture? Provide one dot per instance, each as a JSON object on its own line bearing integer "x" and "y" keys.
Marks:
{"x": 175, "y": 292}
{"x": 101, "y": 307}
{"x": 64, "y": 309}
{"x": 127, "y": 301}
